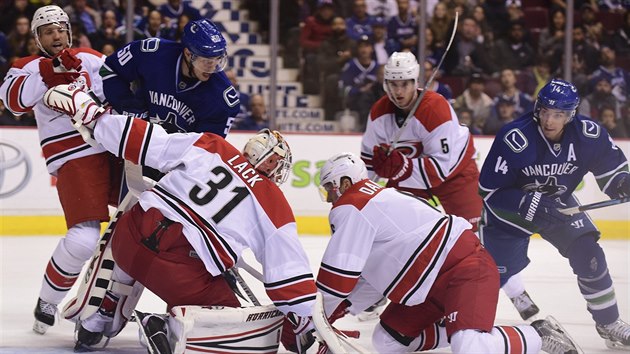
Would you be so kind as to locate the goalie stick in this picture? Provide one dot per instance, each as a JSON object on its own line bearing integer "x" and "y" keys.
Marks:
{"x": 426, "y": 87}
{"x": 602, "y": 204}
{"x": 336, "y": 341}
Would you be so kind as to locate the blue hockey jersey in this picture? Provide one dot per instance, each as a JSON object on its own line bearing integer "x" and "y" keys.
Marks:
{"x": 170, "y": 99}
{"x": 522, "y": 159}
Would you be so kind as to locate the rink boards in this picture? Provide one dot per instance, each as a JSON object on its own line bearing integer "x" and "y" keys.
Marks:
{"x": 29, "y": 204}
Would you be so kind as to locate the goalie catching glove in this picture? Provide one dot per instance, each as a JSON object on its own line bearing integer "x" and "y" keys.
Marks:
{"x": 542, "y": 210}
{"x": 71, "y": 100}
{"x": 62, "y": 69}
{"x": 393, "y": 165}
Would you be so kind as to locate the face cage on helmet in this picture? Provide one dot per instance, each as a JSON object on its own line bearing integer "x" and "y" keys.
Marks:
{"x": 281, "y": 172}
{"x": 209, "y": 65}
{"x": 67, "y": 29}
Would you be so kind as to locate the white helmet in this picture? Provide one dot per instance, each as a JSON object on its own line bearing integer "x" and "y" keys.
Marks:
{"x": 401, "y": 66}
{"x": 345, "y": 164}
{"x": 46, "y": 15}
{"x": 264, "y": 144}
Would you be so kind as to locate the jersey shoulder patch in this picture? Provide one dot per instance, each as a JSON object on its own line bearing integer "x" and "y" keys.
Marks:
{"x": 434, "y": 110}
{"x": 21, "y": 63}
{"x": 590, "y": 129}
{"x": 381, "y": 107}
{"x": 515, "y": 140}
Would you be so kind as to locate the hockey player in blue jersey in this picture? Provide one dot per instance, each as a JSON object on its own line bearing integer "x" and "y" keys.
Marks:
{"x": 180, "y": 86}
{"x": 532, "y": 169}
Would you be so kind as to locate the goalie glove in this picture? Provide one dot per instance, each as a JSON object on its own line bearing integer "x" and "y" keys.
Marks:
{"x": 62, "y": 69}
{"x": 297, "y": 333}
{"x": 542, "y": 210}
{"x": 619, "y": 186}
{"x": 391, "y": 164}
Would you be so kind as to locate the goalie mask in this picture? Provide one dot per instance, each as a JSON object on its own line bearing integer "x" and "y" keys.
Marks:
{"x": 207, "y": 46}
{"x": 557, "y": 95}
{"x": 401, "y": 67}
{"x": 260, "y": 151}
{"x": 46, "y": 15}
{"x": 345, "y": 164}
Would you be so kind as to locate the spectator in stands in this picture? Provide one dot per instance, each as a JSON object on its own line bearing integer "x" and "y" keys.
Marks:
{"x": 358, "y": 79}
{"x": 155, "y": 27}
{"x": 441, "y": 24}
{"x": 178, "y": 30}
{"x": 608, "y": 118}
{"x": 479, "y": 14}
{"x": 107, "y": 33}
{"x": 79, "y": 37}
{"x": 474, "y": 99}
{"x": 584, "y": 49}
{"x": 18, "y": 37}
{"x": 257, "y": 118}
{"x": 496, "y": 15}
{"x": 619, "y": 78}
{"x": 78, "y": 11}
{"x": 514, "y": 52}
{"x": 173, "y": 9}
{"x": 402, "y": 30}
{"x": 316, "y": 29}
{"x": 621, "y": 39}
{"x": 465, "y": 117}
{"x": 537, "y": 76}
{"x": 108, "y": 49}
{"x": 360, "y": 23}
{"x": 551, "y": 38}
{"x": 379, "y": 39}
{"x": 437, "y": 86}
{"x": 522, "y": 101}
{"x": 592, "y": 104}
{"x": 594, "y": 28}
{"x": 382, "y": 8}
{"x": 334, "y": 53}
{"x": 465, "y": 44}
{"x": 503, "y": 112}
{"x": 12, "y": 10}
{"x": 243, "y": 97}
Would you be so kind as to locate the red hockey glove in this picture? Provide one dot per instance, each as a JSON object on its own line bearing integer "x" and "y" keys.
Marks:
{"x": 68, "y": 61}
{"x": 393, "y": 165}
{"x": 53, "y": 77}
{"x": 619, "y": 186}
{"x": 297, "y": 333}
{"x": 340, "y": 311}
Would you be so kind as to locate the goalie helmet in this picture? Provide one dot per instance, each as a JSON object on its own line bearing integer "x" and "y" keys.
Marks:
{"x": 557, "y": 94}
{"x": 401, "y": 66}
{"x": 345, "y": 164}
{"x": 261, "y": 146}
{"x": 46, "y": 15}
{"x": 204, "y": 40}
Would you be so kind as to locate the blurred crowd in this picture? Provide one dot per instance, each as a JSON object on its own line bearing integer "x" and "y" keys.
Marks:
{"x": 503, "y": 53}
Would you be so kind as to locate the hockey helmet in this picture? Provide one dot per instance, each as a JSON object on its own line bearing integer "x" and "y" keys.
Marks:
{"x": 46, "y": 15}
{"x": 401, "y": 66}
{"x": 345, "y": 164}
{"x": 557, "y": 94}
{"x": 261, "y": 146}
{"x": 204, "y": 40}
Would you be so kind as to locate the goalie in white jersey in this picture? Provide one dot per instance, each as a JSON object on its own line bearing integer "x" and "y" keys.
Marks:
{"x": 430, "y": 265}
{"x": 82, "y": 171}
{"x": 193, "y": 225}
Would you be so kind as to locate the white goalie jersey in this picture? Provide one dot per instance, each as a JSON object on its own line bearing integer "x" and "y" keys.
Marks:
{"x": 223, "y": 203}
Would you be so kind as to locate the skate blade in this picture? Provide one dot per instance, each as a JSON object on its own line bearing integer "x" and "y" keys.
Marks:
{"x": 616, "y": 345}
{"x": 40, "y": 327}
{"x": 557, "y": 324}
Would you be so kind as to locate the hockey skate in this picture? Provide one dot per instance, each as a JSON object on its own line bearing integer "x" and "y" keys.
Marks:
{"x": 373, "y": 311}
{"x": 45, "y": 314}
{"x": 616, "y": 334}
{"x": 555, "y": 340}
{"x": 86, "y": 340}
{"x": 153, "y": 332}
{"x": 525, "y": 306}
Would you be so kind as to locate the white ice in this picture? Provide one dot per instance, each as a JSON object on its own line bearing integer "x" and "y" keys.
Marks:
{"x": 549, "y": 279}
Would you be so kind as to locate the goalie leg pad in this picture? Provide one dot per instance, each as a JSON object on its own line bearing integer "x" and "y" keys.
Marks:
{"x": 236, "y": 330}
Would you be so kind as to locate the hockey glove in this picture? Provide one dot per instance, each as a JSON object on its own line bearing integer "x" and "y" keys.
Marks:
{"x": 619, "y": 186}
{"x": 542, "y": 210}
{"x": 62, "y": 69}
{"x": 297, "y": 333}
{"x": 391, "y": 164}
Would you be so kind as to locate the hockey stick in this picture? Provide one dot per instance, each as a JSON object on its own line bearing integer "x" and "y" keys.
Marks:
{"x": 602, "y": 204}
{"x": 426, "y": 87}
{"x": 335, "y": 340}
{"x": 233, "y": 272}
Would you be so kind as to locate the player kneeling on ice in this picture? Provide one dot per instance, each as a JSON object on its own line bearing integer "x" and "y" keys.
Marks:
{"x": 430, "y": 265}
{"x": 533, "y": 167}
{"x": 192, "y": 226}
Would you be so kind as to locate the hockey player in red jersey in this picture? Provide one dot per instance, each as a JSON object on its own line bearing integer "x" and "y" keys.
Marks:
{"x": 193, "y": 225}
{"x": 435, "y": 154}
{"x": 82, "y": 171}
{"x": 430, "y": 265}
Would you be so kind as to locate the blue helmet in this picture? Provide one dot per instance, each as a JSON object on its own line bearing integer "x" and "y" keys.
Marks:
{"x": 204, "y": 39}
{"x": 557, "y": 94}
